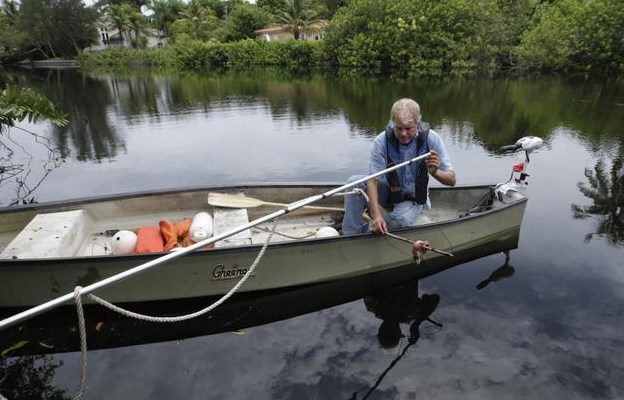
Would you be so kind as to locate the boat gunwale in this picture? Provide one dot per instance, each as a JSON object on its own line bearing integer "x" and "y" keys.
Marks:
{"x": 158, "y": 192}
{"x": 191, "y": 189}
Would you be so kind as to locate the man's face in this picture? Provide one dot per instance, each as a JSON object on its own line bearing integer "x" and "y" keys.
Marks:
{"x": 405, "y": 130}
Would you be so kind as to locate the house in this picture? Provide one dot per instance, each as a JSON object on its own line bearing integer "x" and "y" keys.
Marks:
{"x": 111, "y": 37}
{"x": 314, "y": 31}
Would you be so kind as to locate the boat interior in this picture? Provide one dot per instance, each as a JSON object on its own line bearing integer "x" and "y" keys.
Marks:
{"x": 90, "y": 228}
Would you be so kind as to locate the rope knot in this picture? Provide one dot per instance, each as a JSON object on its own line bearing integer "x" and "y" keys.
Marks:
{"x": 361, "y": 192}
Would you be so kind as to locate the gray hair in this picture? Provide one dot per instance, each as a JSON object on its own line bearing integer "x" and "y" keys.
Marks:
{"x": 405, "y": 109}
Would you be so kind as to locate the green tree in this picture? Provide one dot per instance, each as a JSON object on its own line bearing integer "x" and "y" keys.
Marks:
{"x": 196, "y": 22}
{"x": 56, "y": 28}
{"x": 298, "y": 14}
{"x": 10, "y": 9}
{"x": 34, "y": 21}
{"x": 74, "y": 26}
{"x": 118, "y": 16}
{"x": 575, "y": 35}
{"x": 427, "y": 36}
{"x": 271, "y": 6}
{"x": 222, "y": 8}
{"x": 165, "y": 13}
{"x": 243, "y": 21}
{"x": 330, "y": 7}
{"x": 12, "y": 39}
{"x": 139, "y": 25}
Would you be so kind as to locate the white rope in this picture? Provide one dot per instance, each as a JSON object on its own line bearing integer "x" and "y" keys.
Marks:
{"x": 83, "y": 343}
{"x": 259, "y": 228}
{"x": 356, "y": 191}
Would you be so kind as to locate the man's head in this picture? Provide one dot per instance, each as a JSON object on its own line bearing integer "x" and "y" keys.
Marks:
{"x": 389, "y": 334}
{"x": 405, "y": 115}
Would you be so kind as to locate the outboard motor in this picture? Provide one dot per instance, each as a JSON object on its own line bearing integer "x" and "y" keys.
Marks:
{"x": 519, "y": 171}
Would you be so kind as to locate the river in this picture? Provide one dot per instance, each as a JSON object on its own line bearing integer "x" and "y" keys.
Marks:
{"x": 547, "y": 326}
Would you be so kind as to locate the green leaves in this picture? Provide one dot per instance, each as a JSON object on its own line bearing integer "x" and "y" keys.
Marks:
{"x": 580, "y": 35}
{"x": 25, "y": 104}
{"x": 403, "y": 35}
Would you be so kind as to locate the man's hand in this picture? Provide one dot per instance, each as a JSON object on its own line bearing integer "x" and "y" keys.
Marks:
{"x": 433, "y": 167}
{"x": 378, "y": 226}
{"x": 433, "y": 162}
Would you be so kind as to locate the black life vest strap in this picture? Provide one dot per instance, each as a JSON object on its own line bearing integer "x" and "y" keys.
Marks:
{"x": 393, "y": 157}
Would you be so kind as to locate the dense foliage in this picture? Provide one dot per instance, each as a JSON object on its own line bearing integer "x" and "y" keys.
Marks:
{"x": 425, "y": 37}
{"x": 428, "y": 35}
{"x": 45, "y": 28}
{"x": 575, "y": 34}
{"x": 197, "y": 54}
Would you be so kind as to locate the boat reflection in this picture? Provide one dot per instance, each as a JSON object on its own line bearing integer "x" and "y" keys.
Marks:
{"x": 57, "y": 330}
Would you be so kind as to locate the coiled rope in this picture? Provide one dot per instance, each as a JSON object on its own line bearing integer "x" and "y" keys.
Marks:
{"x": 143, "y": 317}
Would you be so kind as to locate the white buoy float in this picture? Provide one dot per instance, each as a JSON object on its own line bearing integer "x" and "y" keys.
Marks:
{"x": 123, "y": 242}
{"x": 201, "y": 227}
{"x": 325, "y": 232}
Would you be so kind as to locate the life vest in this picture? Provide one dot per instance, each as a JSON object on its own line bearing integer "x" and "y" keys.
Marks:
{"x": 393, "y": 157}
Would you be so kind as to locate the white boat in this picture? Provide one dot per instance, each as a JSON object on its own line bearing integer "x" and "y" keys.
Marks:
{"x": 49, "y": 249}
{"x": 462, "y": 219}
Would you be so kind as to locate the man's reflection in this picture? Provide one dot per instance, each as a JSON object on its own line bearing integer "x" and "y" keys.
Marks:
{"x": 396, "y": 306}
{"x": 401, "y": 305}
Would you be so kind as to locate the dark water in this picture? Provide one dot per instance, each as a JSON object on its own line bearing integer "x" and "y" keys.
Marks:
{"x": 549, "y": 328}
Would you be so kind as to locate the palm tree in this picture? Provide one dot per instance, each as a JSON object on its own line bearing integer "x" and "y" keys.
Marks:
{"x": 165, "y": 13}
{"x": 119, "y": 17}
{"x": 606, "y": 190}
{"x": 18, "y": 105}
{"x": 199, "y": 19}
{"x": 299, "y": 14}
{"x": 10, "y": 9}
{"x": 138, "y": 25}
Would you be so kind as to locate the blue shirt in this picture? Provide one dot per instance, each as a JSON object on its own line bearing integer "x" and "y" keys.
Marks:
{"x": 407, "y": 175}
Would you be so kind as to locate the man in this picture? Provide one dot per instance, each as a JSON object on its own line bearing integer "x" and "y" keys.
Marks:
{"x": 397, "y": 199}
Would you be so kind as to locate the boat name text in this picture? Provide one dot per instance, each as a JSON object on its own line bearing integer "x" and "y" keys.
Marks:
{"x": 223, "y": 271}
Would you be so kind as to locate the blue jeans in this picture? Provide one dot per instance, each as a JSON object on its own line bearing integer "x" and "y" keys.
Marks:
{"x": 402, "y": 214}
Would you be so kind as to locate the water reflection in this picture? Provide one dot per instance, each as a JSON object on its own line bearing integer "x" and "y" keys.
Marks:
{"x": 26, "y": 160}
{"x": 493, "y": 112}
{"x": 396, "y": 306}
{"x": 144, "y": 117}
{"x": 401, "y": 305}
{"x": 500, "y": 273}
{"x": 28, "y": 378}
{"x": 605, "y": 188}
